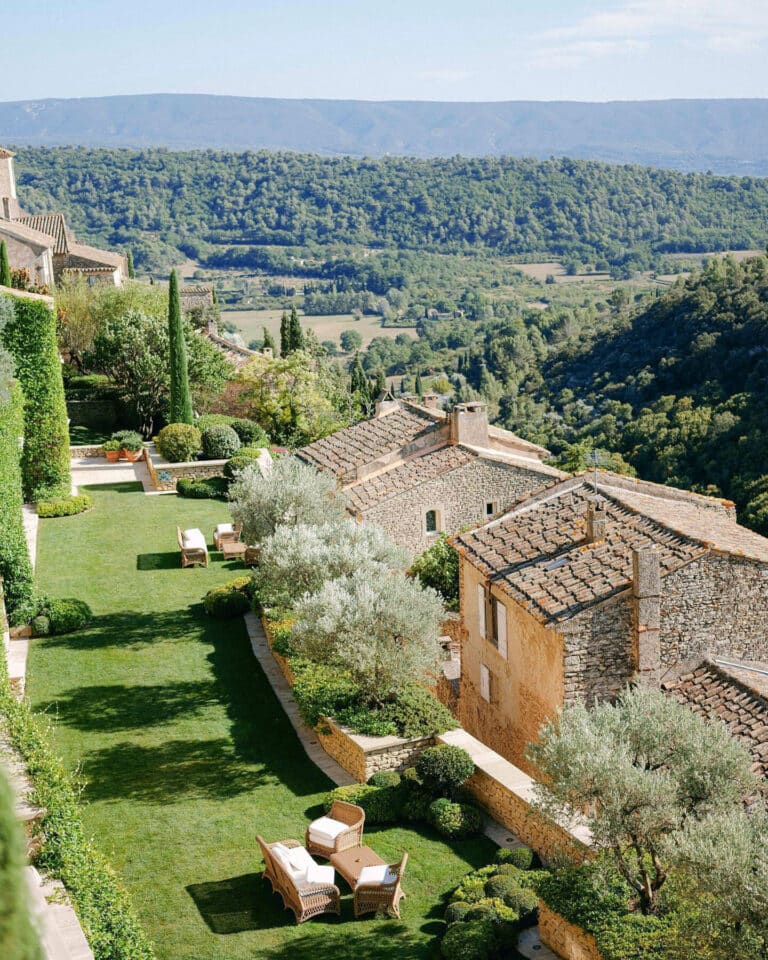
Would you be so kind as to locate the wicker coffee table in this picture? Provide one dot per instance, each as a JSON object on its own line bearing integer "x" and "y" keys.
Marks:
{"x": 350, "y": 862}
{"x": 231, "y": 550}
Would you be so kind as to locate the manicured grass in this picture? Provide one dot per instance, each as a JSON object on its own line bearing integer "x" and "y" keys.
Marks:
{"x": 187, "y": 754}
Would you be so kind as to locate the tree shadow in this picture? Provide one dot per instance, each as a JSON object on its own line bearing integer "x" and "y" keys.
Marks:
{"x": 172, "y": 771}
{"x": 169, "y": 560}
{"x": 371, "y": 939}
{"x": 124, "y": 486}
{"x": 133, "y": 629}
{"x": 119, "y": 707}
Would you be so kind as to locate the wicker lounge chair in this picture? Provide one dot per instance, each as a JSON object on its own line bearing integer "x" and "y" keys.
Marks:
{"x": 340, "y": 830}
{"x": 226, "y": 532}
{"x": 304, "y": 898}
{"x": 193, "y": 547}
{"x": 372, "y": 896}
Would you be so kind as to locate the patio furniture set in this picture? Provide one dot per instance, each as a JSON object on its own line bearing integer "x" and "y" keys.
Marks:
{"x": 308, "y": 889}
{"x": 226, "y": 539}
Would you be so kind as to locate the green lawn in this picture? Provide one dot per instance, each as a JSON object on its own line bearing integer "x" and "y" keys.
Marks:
{"x": 186, "y": 752}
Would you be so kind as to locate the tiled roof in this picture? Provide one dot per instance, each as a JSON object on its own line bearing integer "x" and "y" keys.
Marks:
{"x": 5, "y": 154}
{"x": 15, "y": 229}
{"x": 368, "y": 440}
{"x": 379, "y": 487}
{"x": 539, "y": 554}
{"x": 718, "y": 693}
{"x": 52, "y": 224}
{"x": 81, "y": 251}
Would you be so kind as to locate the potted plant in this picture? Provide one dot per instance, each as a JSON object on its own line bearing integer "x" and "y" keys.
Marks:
{"x": 131, "y": 445}
{"x": 111, "y": 450}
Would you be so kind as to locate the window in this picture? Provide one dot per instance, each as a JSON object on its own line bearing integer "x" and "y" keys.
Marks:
{"x": 481, "y": 609}
{"x": 485, "y": 683}
{"x": 491, "y": 507}
{"x": 430, "y": 521}
{"x": 500, "y": 627}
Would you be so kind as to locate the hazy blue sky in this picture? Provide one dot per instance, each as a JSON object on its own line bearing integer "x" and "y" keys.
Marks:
{"x": 388, "y": 49}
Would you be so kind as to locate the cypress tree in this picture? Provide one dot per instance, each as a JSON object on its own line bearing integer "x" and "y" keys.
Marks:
{"x": 18, "y": 940}
{"x": 5, "y": 266}
{"x": 419, "y": 387}
{"x": 295, "y": 332}
{"x": 269, "y": 340}
{"x": 131, "y": 271}
{"x": 181, "y": 401}
{"x": 285, "y": 335}
{"x": 380, "y": 385}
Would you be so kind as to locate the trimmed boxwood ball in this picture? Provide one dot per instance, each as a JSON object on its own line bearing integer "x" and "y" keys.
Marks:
{"x": 178, "y": 442}
{"x": 385, "y": 778}
{"x": 473, "y": 940}
{"x": 457, "y": 911}
{"x": 219, "y": 442}
{"x": 381, "y": 804}
{"x": 470, "y": 890}
{"x": 525, "y": 902}
{"x": 520, "y": 857}
{"x": 62, "y": 616}
{"x": 499, "y": 885}
{"x": 444, "y": 768}
{"x": 228, "y": 600}
{"x": 494, "y": 910}
{"x": 40, "y": 626}
{"x": 241, "y": 459}
{"x": 250, "y": 433}
{"x": 455, "y": 820}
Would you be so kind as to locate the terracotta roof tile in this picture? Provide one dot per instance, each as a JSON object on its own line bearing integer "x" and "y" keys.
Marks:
{"x": 368, "y": 440}
{"x": 379, "y": 487}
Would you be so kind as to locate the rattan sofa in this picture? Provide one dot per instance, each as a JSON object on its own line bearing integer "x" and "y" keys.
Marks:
{"x": 304, "y": 899}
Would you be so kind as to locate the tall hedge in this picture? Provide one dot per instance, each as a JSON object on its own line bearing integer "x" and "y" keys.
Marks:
{"x": 31, "y": 338}
{"x": 18, "y": 939}
{"x": 181, "y": 400}
{"x": 15, "y": 568}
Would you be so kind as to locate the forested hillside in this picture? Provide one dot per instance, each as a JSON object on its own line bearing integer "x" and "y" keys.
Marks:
{"x": 217, "y": 207}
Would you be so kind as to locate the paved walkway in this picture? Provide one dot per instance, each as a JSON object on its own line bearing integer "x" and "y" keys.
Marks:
{"x": 91, "y": 471}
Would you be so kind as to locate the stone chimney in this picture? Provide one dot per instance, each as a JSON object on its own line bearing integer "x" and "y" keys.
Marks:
{"x": 267, "y": 352}
{"x": 597, "y": 521}
{"x": 646, "y": 591}
{"x": 385, "y": 402}
{"x": 469, "y": 424}
{"x": 431, "y": 401}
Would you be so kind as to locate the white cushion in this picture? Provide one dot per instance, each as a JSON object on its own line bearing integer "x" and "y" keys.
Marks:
{"x": 326, "y": 830}
{"x": 280, "y": 853}
{"x": 225, "y": 528}
{"x": 378, "y": 874}
{"x": 193, "y": 538}
{"x": 300, "y": 863}
{"x": 321, "y": 874}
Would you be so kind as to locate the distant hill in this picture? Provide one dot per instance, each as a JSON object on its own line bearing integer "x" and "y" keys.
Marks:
{"x": 725, "y": 136}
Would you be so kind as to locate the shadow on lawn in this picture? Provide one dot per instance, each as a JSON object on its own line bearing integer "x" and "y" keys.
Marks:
{"x": 135, "y": 628}
{"x": 169, "y": 560}
{"x": 239, "y": 904}
{"x": 120, "y": 707}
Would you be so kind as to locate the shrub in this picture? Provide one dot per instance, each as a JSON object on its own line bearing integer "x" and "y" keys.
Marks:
{"x": 178, "y": 442}
{"x": 385, "y": 778}
{"x": 110, "y": 445}
{"x": 128, "y": 440}
{"x": 64, "y": 506}
{"x": 470, "y": 890}
{"x": 362, "y": 719}
{"x": 474, "y": 940}
{"x": 322, "y": 691}
{"x": 40, "y": 626}
{"x": 239, "y": 462}
{"x": 438, "y": 567}
{"x": 494, "y": 910}
{"x": 30, "y": 335}
{"x": 455, "y": 820}
{"x": 416, "y": 804}
{"x": 219, "y": 442}
{"x": 525, "y": 902}
{"x": 213, "y": 488}
{"x": 281, "y": 639}
{"x": 381, "y": 804}
{"x": 520, "y": 857}
{"x": 250, "y": 433}
{"x": 457, "y": 911}
{"x": 444, "y": 768}
{"x": 66, "y": 615}
{"x": 15, "y": 568}
{"x": 229, "y": 600}
{"x": 416, "y": 712}
{"x": 213, "y": 420}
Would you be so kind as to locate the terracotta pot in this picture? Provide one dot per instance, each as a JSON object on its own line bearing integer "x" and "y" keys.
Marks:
{"x": 130, "y": 455}
{"x": 112, "y": 455}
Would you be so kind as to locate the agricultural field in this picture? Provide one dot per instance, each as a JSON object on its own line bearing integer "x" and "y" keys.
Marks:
{"x": 250, "y": 324}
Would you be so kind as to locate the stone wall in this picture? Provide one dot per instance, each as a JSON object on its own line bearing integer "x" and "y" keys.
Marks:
{"x": 164, "y": 475}
{"x": 715, "y": 606}
{"x": 565, "y": 939}
{"x": 340, "y": 745}
{"x": 598, "y": 657}
{"x": 460, "y": 496}
{"x": 83, "y": 452}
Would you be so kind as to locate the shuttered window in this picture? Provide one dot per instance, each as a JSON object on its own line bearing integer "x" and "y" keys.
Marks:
{"x": 485, "y": 682}
{"x": 481, "y": 609}
{"x": 500, "y": 623}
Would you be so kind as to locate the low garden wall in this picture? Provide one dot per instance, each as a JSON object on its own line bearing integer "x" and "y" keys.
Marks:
{"x": 164, "y": 474}
{"x": 83, "y": 452}
{"x": 564, "y": 938}
{"x": 506, "y": 793}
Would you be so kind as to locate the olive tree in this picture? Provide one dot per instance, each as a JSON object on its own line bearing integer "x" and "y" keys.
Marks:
{"x": 298, "y": 559}
{"x": 291, "y": 492}
{"x": 639, "y": 771}
{"x": 383, "y": 629}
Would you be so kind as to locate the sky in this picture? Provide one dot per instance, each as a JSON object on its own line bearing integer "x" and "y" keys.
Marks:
{"x": 388, "y": 49}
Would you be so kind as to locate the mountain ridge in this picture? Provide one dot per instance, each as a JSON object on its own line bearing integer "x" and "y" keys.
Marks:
{"x": 728, "y": 136}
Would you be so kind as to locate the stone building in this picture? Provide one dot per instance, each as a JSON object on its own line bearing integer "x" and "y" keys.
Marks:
{"x": 198, "y": 304}
{"x": 42, "y": 244}
{"x": 418, "y": 472}
{"x": 583, "y": 586}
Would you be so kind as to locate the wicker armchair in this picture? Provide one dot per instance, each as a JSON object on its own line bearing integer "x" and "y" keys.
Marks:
{"x": 231, "y": 536}
{"x": 384, "y": 895}
{"x": 351, "y": 816}
{"x": 305, "y": 900}
{"x": 192, "y": 553}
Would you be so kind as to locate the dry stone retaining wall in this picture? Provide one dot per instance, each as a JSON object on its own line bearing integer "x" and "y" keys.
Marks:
{"x": 86, "y": 451}
{"x": 564, "y": 938}
{"x": 164, "y": 475}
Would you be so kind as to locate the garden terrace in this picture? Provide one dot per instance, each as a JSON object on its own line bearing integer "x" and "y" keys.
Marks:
{"x": 187, "y": 753}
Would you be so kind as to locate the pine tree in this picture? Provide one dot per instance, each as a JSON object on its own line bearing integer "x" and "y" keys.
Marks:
{"x": 419, "y": 387}
{"x": 181, "y": 401}
{"x": 269, "y": 340}
{"x": 131, "y": 271}
{"x": 285, "y": 336}
{"x": 296, "y": 335}
{"x": 18, "y": 940}
{"x": 5, "y": 266}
